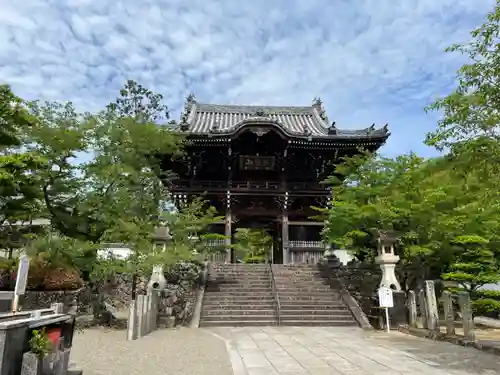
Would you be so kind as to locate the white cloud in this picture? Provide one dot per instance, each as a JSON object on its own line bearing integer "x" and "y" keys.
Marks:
{"x": 370, "y": 60}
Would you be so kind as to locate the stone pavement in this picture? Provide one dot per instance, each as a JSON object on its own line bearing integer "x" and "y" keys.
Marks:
{"x": 346, "y": 351}
{"x": 182, "y": 351}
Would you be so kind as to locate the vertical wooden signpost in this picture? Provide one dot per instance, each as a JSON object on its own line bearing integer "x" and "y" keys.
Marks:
{"x": 21, "y": 281}
{"x": 386, "y": 301}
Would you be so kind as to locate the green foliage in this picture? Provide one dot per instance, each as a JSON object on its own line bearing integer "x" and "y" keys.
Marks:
{"x": 474, "y": 265}
{"x": 189, "y": 232}
{"x": 123, "y": 177}
{"x": 187, "y": 273}
{"x": 188, "y": 241}
{"x": 63, "y": 252}
{"x": 252, "y": 245}
{"x": 20, "y": 194}
{"x": 485, "y": 306}
{"x": 40, "y": 343}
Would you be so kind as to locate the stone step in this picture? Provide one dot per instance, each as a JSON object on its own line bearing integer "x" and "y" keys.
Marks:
{"x": 318, "y": 323}
{"x": 237, "y": 299}
{"x": 300, "y": 282}
{"x": 229, "y": 294}
{"x": 304, "y": 290}
{"x": 240, "y": 317}
{"x": 242, "y": 285}
{"x": 239, "y": 312}
{"x": 340, "y": 318}
{"x": 232, "y": 278}
{"x": 237, "y": 306}
{"x": 239, "y": 289}
{"x": 235, "y": 323}
{"x": 309, "y": 294}
{"x": 313, "y": 312}
{"x": 312, "y": 305}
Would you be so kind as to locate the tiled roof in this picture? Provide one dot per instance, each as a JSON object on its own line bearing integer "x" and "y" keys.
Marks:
{"x": 201, "y": 118}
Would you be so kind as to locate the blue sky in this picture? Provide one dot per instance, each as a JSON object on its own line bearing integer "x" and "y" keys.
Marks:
{"x": 370, "y": 61}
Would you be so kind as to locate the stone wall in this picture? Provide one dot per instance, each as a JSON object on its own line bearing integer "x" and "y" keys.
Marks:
{"x": 114, "y": 294}
{"x": 81, "y": 300}
{"x": 362, "y": 281}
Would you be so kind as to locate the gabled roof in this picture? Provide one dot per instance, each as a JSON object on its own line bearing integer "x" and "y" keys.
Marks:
{"x": 309, "y": 121}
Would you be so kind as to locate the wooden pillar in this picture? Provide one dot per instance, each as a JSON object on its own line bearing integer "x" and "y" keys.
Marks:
{"x": 227, "y": 227}
{"x": 284, "y": 236}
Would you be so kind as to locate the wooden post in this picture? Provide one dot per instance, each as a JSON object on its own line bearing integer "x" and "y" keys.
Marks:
{"x": 139, "y": 300}
{"x": 145, "y": 307}
{"x": 431, "y": 305}
{"x": 467, "y": 320}
{"x": 422, "y": 307}
{"x": 57, "y": 307}
{"x": 412, "y": 308}
{"x": 227, "y": 233}
{"x": 284, "y": 236}
{"x": 132, "y": 320}
{"x": 449, "y": 314}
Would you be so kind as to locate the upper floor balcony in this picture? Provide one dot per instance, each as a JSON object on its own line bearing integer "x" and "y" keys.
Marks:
{"x": 247, "y": 186}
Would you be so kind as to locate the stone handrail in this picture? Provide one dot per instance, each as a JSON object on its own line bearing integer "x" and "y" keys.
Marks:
{"x": 276, "y": 295}
{"x": 337, "y": 283}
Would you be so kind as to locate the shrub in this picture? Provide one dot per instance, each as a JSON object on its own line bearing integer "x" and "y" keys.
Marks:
{"x": 187, "y": 273}
{"x": 486, "y": 307}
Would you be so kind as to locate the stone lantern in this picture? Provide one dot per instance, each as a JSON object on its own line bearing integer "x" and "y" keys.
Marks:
{"x": 157, "y": 280}
{"x": 387, "y": 260}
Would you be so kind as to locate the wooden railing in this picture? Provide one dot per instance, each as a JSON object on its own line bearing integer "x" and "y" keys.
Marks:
{"x": 276, "y": 295}
{"x": 305, "y": 257}
{"x": 247, "y": 185}
{"x": 320, "y": 245}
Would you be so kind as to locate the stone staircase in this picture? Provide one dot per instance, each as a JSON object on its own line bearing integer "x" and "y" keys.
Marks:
{"x": 238, "y": 295}
{"x": 306, "y": 299}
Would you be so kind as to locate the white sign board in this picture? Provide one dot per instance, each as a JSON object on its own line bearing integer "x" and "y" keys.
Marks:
{"x": 22, "y": 275}
{"x": 385, "y": 297}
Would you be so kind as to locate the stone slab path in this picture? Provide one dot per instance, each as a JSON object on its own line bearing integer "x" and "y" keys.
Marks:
{"x": 347, "y": 351}
{"x": 174, "y": 352}
{"x": 274, "y": 351}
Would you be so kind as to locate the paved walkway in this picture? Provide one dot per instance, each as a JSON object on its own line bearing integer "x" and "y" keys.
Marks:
{"x": 346, "y": 351}
{"x": 274, "y": 351}
{"x": 174, "y": 352}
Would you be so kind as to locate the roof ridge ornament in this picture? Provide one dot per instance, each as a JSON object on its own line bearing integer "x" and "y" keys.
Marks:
{"x": 332, "y": 130}
{"x": 318, "y": 106}
{"x": 317, "y": 102}
{"x": 261, "y": 113}
{"x": 191, "y": 98}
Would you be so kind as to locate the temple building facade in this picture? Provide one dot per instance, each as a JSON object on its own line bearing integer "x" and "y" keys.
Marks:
{"x": 264, "y": 167}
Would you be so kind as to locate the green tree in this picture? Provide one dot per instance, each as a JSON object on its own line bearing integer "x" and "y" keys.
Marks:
{"x": 252, "y": 245}
{"x": 123, "y": 177}
{"x": 20, "y": 193}
{"x": 188, "y": 241}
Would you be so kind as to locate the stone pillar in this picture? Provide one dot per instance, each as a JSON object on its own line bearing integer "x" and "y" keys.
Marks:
{"x": 431, "y": 304}
{"x": 466, "y": 310}
{"x": 227, "y": 232}
{"x": 284, "y": 237}
{"x": 449, "y": 313}
{"x": 12, "y": 341}
{"x": 422, "y": 307}
{"x": 412, "y": 309}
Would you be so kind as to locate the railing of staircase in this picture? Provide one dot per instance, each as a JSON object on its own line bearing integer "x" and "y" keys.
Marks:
{"x": 276, "y": 295}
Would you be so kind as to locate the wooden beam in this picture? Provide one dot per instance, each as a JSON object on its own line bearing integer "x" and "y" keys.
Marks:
{"x": 311, "y": 223}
